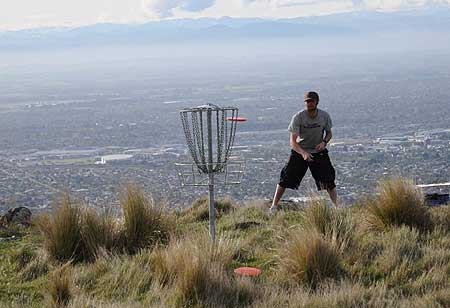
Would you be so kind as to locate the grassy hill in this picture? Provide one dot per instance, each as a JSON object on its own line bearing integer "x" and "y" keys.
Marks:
{"x": 390, "y": 251}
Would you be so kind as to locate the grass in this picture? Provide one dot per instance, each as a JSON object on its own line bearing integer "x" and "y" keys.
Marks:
{"x": 399, "y": 203}
{"x": 99, "y": 233}
{"x": 199, "y": 211}
{"x": 336, "y": 226}
{"x": 59, "y": 287}
{"x": 62, "y": 231}
{"x": 313, "y": 257}
{"x": 145, "y": 223}
{"x": 79, "y": 234}
{"x": 307, "y": 258}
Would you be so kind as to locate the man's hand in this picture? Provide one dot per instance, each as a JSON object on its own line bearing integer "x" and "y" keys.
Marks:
{"x": 321, "y": 146}
{"x": 306, "y": 156}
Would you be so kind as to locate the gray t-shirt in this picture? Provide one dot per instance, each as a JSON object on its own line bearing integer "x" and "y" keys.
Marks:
{"x": 310, "y": 131}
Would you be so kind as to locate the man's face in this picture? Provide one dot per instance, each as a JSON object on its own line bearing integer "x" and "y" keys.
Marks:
{"x": 311, "y": 104}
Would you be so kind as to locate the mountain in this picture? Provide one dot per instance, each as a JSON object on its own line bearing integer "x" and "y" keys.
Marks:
{"x": 345, "y": 25}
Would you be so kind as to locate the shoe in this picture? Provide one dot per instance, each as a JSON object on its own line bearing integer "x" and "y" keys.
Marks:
{"x": 273, "y": 209}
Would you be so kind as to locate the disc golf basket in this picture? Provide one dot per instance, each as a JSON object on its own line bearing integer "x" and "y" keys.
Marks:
{"x": 210, "y": 132}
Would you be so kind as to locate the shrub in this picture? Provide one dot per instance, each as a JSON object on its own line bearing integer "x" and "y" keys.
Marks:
{"x": 307, "y": 258}
{"x": 62, "y": 231}
{"x": 145, "y": 224}
{"x": 399, "y": 203}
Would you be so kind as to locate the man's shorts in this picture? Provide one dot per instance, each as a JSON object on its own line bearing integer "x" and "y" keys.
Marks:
{"x": 321, "y": 169}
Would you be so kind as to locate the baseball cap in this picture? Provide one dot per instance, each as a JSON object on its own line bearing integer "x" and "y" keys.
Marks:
{"x": 311, "y": 95}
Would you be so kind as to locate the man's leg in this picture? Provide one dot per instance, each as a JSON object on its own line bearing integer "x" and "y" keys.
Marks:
{"x": 290, "y": 177}
{"x": 333, "y": 196}
{"x": 278, "y": 194}
{"x": 324, "y": 174}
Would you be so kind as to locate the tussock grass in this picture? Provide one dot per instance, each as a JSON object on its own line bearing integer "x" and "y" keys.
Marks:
{"x": 35, "y": 268}
{"x": 344, "y": 294}
{"x": 195, "y": 271}
{"x": 77, "y": 234}
{"x": 119, "y": 278}
{"x": 440, "y": 217}
{"x": 401, "y": 246}
{"x": 99, "y": 233}
{"x": 62, "y": 231}
{"x": 22, "y": 256}
{"x": 60, "y": 287}
{"x": 199, "y": 211}
{"x": 399, "y": 203}
{"x": 189, "y": 271}
{"x": 145, "y": 223}
{"x": 308, "y": 258}
{"x": 335, "y": 225}
{"x": 92, "y": 302}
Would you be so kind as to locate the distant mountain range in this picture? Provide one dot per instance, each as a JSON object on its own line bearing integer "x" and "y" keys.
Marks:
{"x": 356, "y": 24}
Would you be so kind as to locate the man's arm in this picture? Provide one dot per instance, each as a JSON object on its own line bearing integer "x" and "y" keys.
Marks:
{"x": 321, "y": 146}
{"x": 328, "y": 136}
{"x": 297, "y": 148}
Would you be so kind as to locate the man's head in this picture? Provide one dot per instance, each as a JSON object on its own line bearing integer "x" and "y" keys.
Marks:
{"x": 311, "y": 100}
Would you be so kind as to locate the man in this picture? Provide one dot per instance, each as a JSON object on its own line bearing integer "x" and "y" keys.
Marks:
{"x": 310, "y": 132}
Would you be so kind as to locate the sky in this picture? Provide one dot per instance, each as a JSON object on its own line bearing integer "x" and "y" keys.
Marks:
{"x": 24, "y": 14}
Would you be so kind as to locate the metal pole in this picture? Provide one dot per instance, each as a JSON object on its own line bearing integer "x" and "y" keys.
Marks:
{"x": 212, "y": 212}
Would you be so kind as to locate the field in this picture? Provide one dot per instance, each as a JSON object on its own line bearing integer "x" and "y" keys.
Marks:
{"x": 388, "y": 251}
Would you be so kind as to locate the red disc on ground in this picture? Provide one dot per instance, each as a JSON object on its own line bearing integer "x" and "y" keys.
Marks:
{"x": 247, "y": 271}
{"x": 236, "y": 119}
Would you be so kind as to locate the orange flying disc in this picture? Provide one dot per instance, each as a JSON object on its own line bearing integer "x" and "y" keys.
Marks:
{"x": 236, "y": 119}
{"x": 247, "y": 271}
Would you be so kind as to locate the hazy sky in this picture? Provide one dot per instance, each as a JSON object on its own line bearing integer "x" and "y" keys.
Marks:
{"x": 19, "y": 14}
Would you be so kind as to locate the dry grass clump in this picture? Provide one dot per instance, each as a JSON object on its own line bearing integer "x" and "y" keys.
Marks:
{"x": 318, "y": 216}
{"x": 191, "y": 271}
{"x": 77, "y": 234}
{"x": 344, "y": 294}
{"x": 199, "y": 211}
{"x": 400, "y": 246}
{"x": 195, "y": 272}
{"x": 399, "y": 203}
{"x": 393, "y": 257}
{"x": 440, "y": 217}
{"x": 22, "y": 256}
{"x": 145, "y": 223}
{"x": 99, "y": 233}
{"x": 84, "y": 301}
{"x": 62, "y": 231}
{"x": 336, "y": 225}
{"x": 88, "y": 277}
{"x": 60, "y": 287}
{"x": 308, "y": 258}
{"x": 119, "y": 278}
{"x": 37, "y": 267}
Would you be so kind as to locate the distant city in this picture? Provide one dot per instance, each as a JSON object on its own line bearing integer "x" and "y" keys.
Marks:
{"x": 94, "y": 144}
{"x": 90, "y": 119}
